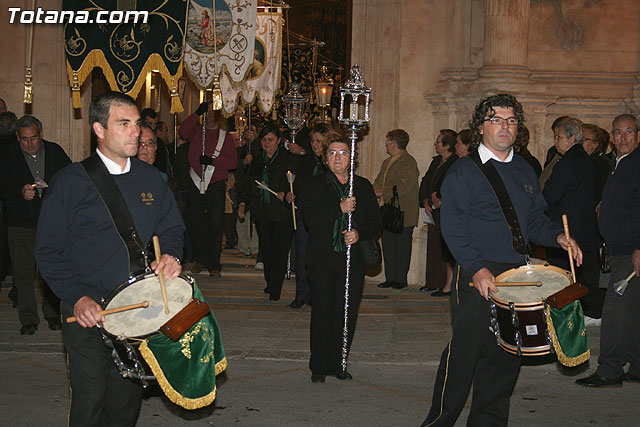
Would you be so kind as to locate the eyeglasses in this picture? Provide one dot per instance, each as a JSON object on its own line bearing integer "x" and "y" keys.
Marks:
{"x": 148, "y": 144}
{"x": 499, "y": 121}
{"x": 30, "y": 140}
{"x": 341, "y": 153}
{"x": 386, "y": 142}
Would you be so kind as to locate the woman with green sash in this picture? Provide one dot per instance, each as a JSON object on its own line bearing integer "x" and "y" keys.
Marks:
{"x": 271, "y": 213}
{"x": 325, "y": 204}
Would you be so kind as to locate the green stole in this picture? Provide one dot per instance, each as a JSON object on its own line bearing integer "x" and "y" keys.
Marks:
{"x": 265, "y": 196}
{"x": 342, "y": 221}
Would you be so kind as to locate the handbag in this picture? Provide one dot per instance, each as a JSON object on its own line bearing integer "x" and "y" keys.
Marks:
{"x": 605, "y": 267}
{"x": 392, "y": 215}
{"x": 371, "y": 252}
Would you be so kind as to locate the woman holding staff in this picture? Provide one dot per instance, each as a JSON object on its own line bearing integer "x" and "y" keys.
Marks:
{"x": 269, "y": 209}
{"x": 325, "y": 206}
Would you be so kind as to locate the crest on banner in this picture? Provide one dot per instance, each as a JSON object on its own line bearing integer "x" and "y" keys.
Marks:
{"x": 219, "y": 38}
{"x": 263, "y": 78}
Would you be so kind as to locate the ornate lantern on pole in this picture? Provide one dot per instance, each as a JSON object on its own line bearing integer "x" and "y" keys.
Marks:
{"x": 294, "y": 104}
{"x": 354, "y": 101}
{"x": 324, "y": 89}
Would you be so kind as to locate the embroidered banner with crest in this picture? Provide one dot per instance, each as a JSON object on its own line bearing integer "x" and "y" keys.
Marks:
{"x": 219, "y": 39}
{"x": 126, "y": 52}
{"x": 263, "y": 79}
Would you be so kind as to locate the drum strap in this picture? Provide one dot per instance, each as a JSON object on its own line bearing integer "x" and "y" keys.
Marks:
{"x": 491, "y": 174}
{"x": 119, "y": 212}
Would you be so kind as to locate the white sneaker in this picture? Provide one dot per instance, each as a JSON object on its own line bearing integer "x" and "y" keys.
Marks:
{"x": 259, "y": 266}
{"x": 590, "y": 321}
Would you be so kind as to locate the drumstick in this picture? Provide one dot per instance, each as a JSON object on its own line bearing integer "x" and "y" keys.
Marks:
{"x": 143, "y": 304}
{"x": 163, "y": 286}
{"x": 566, "y": 233}
{"x": 291, "y": 177}
{"x": 514, "y": 284}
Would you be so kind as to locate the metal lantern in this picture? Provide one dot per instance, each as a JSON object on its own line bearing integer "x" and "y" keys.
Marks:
{"x": 294, "y": 104}
{"x": 354, "y": 100}
{"x": 324, "y": 89}
{"x": 240, "y": 121}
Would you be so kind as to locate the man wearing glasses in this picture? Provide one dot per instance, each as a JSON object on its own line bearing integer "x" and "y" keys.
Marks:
{"x": 483, "y": 244}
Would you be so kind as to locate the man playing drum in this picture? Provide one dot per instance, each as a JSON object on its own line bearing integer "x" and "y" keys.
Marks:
{"x": 479, "y": 235}
{"x": 83, "y": 257}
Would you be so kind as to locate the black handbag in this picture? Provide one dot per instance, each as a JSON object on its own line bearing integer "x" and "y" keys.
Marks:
{"x": 605, "y": 267}
{"x": 392, "y": 215}
{"x": 371, "y": 252}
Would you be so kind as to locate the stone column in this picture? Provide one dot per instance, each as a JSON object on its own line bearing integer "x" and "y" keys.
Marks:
{"x": 506, "y": 29}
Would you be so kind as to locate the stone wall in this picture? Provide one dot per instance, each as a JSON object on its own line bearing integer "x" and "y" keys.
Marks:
{"x": 429, "y": 62}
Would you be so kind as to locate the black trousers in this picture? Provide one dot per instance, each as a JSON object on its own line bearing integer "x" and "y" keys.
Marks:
{"x": 588, "y": 275}
{"x": 473, "y": 356}
{"x": 99, "y": 395}
{"x": 206, "y": 213}
{"x": 274, "y": 240}
{"x": 620, "y": 330}
{"x": 21, "y": 245}
{"x": 326, "y": 282}
{"x": 396, "y": 250}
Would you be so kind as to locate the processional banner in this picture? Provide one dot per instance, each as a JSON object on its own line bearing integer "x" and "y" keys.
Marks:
{"x": 219, "y": 39}
{"x": 263, "y": 78}
{"x": 127, "y": 51}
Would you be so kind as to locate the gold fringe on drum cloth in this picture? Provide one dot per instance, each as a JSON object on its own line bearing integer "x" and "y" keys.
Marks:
{"x": 169, "y": 391}
{"x": 565, "y": 360}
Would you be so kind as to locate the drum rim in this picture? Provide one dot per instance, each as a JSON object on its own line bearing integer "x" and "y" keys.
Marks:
{"x": 529, "y": 306}
{"x": 139, "y": 338}
{"x": 526, "y": 351}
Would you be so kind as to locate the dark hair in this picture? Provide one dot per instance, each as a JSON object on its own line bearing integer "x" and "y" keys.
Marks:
{"x": 335, "y": 137}
{"x": 320, "y": 128}
{"x": 148, "y": 112}
{"x": 27, "y": 121}
{"x": 465, "y": 136}
{"x": 270, "y": 128}
{"x": 100, "y": 107}
{"x": 400, "y": 137}
{"x": 449, "y": 139}
{"x": 632, "y": 117}
{"x": 8, "y": 121}
{"x": 144, "y": 125}
{"x": 522, "y": 140}
{"x": 485, "y": 110}
{"x": 601, "y": 136}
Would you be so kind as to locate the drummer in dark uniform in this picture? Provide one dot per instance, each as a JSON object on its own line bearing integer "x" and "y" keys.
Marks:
{"x": 486, "y": 242}
{"x": 83, "y": 257}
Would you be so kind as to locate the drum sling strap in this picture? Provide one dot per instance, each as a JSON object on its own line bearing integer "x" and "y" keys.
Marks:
{"x": 493, "y": 177}
{"x": 119, "y": 212}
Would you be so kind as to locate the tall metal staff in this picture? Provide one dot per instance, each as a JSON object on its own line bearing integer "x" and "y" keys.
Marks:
{"x": 353, "y": 116}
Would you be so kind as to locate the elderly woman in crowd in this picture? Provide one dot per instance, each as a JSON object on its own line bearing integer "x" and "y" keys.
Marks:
{"x": 271, "y": 213}
{"x": 463, "y": 143}
{"x": 399, "y": 171}
{"x": 325, "y": 204}
{"x": 438, "y": 255}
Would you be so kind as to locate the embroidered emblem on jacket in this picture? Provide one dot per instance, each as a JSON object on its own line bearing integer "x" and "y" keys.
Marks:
{"x": 147, "y": 198}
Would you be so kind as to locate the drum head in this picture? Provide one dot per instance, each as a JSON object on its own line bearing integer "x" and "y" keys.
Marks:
{"x": 553, "y": 279}
{"x": 140, "y": 322}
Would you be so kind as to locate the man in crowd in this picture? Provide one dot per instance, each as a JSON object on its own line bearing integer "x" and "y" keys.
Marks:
{"x": 25, "y": 170}
{"x": 206, "y": 195}
{"x": 85, "y": 250}
{"x": 620, "y": 228}
{"x": 474, "y": 227}
{"x": 571, "y": 191}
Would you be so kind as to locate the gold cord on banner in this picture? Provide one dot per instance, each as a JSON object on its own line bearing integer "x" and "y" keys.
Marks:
{"x": 216, "y": 93}
{"x": 28, "y": 91}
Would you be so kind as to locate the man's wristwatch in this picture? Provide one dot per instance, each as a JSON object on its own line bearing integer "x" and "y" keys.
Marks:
{"x": 176, "y": 258}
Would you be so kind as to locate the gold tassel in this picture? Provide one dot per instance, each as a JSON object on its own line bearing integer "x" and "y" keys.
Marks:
{"x": 28, "y": 94}
{"x": 216, "y": 94}
{"x": 75, "y": 91}
{"x": 176, "y": 105}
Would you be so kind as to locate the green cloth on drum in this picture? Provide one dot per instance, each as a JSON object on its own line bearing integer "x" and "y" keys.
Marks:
{"x": 568, "y": 334}
{"x": 186, "y": 369}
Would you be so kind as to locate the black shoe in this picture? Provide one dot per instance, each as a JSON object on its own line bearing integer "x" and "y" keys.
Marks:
{"x": 54, "y": 323}
{"x": 266, "y": 290}
{"x": 440, "y": 293}
{"x": 317, "y": 378}
{"x": 197, "y": 268}
{"x": 386, "y": 284}
{"x": 28, "y": 329}
{"x": 14, "y": 299}
{"x": 428, "y": 289}
{"x": 296, "y": 304}
{"x": 273, "y": 296}
{"x": 399, "y": 285}
{"x": 630, "y": 378}
{"x": 595, "y": 380}
{"x": 343, "y": 375}
{"x": 215, "y": 273}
